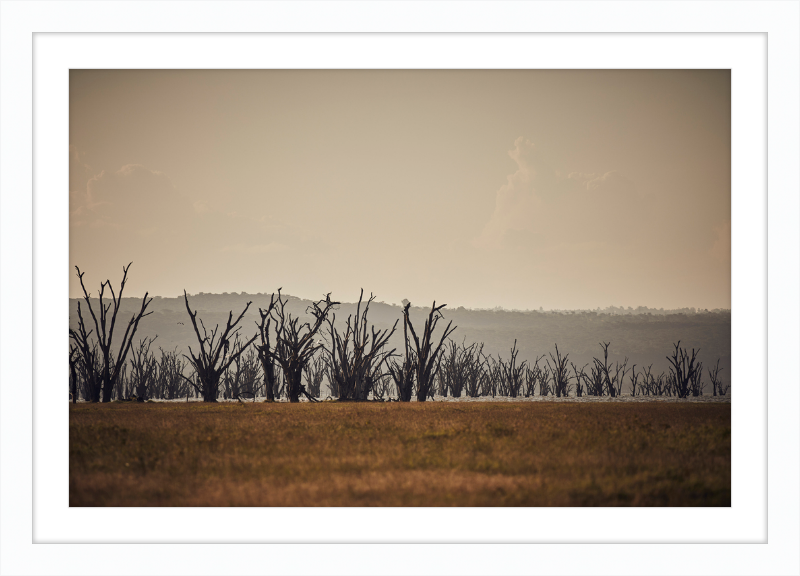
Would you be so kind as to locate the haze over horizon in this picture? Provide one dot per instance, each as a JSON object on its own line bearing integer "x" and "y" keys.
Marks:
{"x": 515, "y": 188}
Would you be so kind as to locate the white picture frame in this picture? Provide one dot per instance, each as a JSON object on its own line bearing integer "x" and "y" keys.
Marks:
{"x": 40, "y": 45}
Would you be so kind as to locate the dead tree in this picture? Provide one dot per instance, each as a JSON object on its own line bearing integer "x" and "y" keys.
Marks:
{"x": 143, "y": 368}
{"x": 533, "y": 374}
{"x": 217, "y": 351}
{"x": 403, "y": 376}
{"x": 194, "y": 384}
{"x": 457, "y": 365}
{"x": 424, "y": 352}
{"x": 474, "y": 370}
{"x": 653, "y": 385}
{"x": 442, "y": 380}
{"x": 241, "y": 379}
{"x": 333, "y": 388}
{"x": 231, "y": 378}
{"x": 500, "y": 384}
{"x": 603, "y": 372}
{"x": 595, "y": 381}
{"x": 561, "y": 376}
{"x": 646, "y": 386}
{"x": 683, "y": 369}
{"x": 266, "y": 353}
{"x": 486, "y": 379}
{"x": 696, "y": 384}
{"x": 74, "y": 362}
{"x": 171, "y": 383}
{"x": 493, "y": 378}
{"x": 314, "y": 373}
{"x": 403, "y": 373}
{"x": 248, "y": 370}
{"x": 356, "y": 357}
{"x": 716, "y": 383}
{"x": 513, "y": 374}
{"x": 104, "y": 331}
{"x": 580, "y": 376}
{"x": 87, "y": 361}
{"x": 619, "y": 375}
{"x": 634, "y": 380}
{"x": 294, "y": 342}
{"x": 442, "y": 386}
{"x": 381, "y": 387}
{"x": 122, "y": 387}
{"x": 544, "y": 381}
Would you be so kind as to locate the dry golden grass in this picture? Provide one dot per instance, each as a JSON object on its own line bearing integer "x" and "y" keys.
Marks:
{"x": 431, "y": 454}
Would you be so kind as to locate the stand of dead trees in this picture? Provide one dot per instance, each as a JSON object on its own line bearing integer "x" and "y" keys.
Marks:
{"x": 403, "y": 375}
{"x": 461, "y": 369}
{"x": 143, "y": 377}
{"x": 716, "y": 383}
{"x": 293, "y": 359}
{"x": 144, "y": 368}
{"x": 171, "y": 384}
{"x": 242, "y": 379}
{"x": 85, "y": 371}
{"x": 314, "y": 373}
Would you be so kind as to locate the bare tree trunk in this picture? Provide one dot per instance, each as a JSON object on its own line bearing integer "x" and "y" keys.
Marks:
{"x": 715, "y": 379}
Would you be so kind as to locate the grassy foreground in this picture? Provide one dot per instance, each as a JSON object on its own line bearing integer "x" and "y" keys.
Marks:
{"x": 431, "y": 454}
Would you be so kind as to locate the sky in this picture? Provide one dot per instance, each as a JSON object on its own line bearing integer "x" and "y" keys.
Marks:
{"x": 559, "y": 189}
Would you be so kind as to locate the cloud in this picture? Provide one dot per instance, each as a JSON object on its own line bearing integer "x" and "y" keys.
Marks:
{"x": 201, "y": 207}
{"x": 132, "y": 198}
{"x": 516, "y": 201}
{"x": 130, "y": 185}
{"x": 608, "y": 180}
{"x": 537, "y": 208}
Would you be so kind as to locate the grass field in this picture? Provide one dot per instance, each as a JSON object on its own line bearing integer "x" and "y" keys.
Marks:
{"x": 391, "y": 454}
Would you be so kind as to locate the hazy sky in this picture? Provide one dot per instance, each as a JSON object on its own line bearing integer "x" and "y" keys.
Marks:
{"x": 559, "y": 189}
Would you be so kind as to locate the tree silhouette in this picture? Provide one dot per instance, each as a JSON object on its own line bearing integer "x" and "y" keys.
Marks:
{"x": 294, "y": 342}
{"x": 110, "y": 366}
{"x": 357, "y": 370}
{"x": 426, "y": 355}
{"x": 683, "y": 369}
{"x": 216, "y": 352}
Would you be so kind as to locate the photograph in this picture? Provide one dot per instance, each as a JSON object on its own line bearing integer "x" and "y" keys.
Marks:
{"x": 400, "y": 288}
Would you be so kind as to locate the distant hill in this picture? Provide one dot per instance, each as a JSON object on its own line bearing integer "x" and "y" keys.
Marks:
{"x": 645, "y": 336}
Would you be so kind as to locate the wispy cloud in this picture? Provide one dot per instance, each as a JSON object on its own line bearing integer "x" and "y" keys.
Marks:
{"x": 537, "y": 207}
